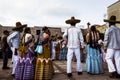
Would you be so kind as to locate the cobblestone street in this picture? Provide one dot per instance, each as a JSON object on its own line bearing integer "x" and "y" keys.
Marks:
{"x": 60, "y": 72}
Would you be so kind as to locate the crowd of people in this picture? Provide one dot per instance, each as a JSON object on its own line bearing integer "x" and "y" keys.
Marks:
{"x": 28, "y": 64}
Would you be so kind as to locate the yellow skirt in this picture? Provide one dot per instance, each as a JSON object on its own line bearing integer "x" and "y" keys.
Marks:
{"x": 44, "y": 67}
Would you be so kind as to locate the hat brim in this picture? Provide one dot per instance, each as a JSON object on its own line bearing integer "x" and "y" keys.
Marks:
{"x": 19, "y": 27}
{"x": 72, "y": 21}
{"x": 105, "y": 20}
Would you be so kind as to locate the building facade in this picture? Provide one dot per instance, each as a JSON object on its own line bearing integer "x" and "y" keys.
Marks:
{"x": 34, "y": 30}
{"x": 114, "y": 9}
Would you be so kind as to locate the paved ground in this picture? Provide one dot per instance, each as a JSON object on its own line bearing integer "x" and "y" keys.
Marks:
{"x": 60, "y": 72}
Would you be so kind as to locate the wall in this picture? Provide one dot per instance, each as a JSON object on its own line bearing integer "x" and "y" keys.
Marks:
{"x": 54, "y": 31}
{"x": 114, "y": 9}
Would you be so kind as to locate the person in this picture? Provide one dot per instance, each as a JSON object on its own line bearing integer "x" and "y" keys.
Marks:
{"x": 94, "y": 63}
{"x": 74, "y": 37}
{"x": 5, "y": 49}
{"x": 26, "y": 60}
{"x": 82, "y": 54}
{"x": 14, "y": 40}
{"x": 29, "y": 68}
{"x": 29, "y": 39}
{"x": 53, "y": 44}
{"x": 112, "y": 47}
{"x": 44, "y": 68}
{"x": 101, "y": 43}
{"x": 63, "y": 50}
{"x": 57, "y": 48}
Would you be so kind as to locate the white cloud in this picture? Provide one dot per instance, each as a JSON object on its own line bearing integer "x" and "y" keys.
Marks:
{"x": 52, "y": 12}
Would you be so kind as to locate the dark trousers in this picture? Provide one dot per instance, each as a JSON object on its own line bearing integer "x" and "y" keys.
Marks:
{"x": 5, "y": 57}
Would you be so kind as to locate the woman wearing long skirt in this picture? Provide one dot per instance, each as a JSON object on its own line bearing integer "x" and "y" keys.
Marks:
{"x": 44, "y": 68}
{"x": 94, "y": 64}
{"x": 25, "y": 69}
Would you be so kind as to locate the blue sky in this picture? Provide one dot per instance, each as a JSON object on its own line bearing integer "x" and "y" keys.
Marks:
{"x": 52, "y": 12}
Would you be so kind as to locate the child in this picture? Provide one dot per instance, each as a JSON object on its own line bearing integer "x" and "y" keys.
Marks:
{"x": 102, "y": 50}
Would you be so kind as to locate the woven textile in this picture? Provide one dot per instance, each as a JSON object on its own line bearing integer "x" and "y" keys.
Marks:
{"x": 44, "y": 69}
{"x": 19, "y": 69}
{"x": 29, "y": 69}
{"x": 25, "y": 69}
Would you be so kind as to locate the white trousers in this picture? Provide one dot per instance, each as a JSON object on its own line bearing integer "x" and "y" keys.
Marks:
{"x": 110, "y": 55}
{"x": 53, "y": 54}
{"x": 69, "y": 59}
{"x": 14, "y": 59}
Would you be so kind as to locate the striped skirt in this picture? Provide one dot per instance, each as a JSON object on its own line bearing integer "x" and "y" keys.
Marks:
{"x": 44, "y": 69}
{"x": 25, "y": 69}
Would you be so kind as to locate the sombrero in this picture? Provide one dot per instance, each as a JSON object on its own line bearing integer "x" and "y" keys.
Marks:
{"x": 72, "y": 20}
{"x": 112, "y": 20}
{"x": 19, "y": 26}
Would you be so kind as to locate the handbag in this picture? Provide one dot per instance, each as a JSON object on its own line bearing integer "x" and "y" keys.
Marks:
{"x": 39, "y": 47}
{"x": 23, "y": 49}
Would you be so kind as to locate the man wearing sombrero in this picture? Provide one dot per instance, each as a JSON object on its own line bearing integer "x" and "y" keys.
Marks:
{"x": 112, "y": 47}
{"x": 74, "y": 39}
{"x": 14, "y": 43}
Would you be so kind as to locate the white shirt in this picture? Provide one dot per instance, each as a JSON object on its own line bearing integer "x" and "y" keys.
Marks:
{"x": 111, "y": 38}
{"x": 75, "y": 37}
{"x": 28, "y": 37}
{"x": 54, "y": 43}
{"x": 14, "y": 39}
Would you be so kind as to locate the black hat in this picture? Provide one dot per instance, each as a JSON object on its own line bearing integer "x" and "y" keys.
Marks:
{"x": 112, "y": 20}
{"x": 72, "y": 20}
{"x": 19, "y": 26}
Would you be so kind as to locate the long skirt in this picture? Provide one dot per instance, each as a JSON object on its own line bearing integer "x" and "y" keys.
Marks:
{"x": 44, "y": 67}
{"x": 25, "y": 69}
{"x": 63, "y": 54}
{"x": 94, "y": 63}
{"x": 19, "y": 69}
{"x": 29, "y": 69}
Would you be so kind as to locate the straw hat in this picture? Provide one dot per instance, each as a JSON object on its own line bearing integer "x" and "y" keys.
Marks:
{"x": 19, "y": 26}
{"x": 72, "y": 20}
{"x": 112, "y": 20}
